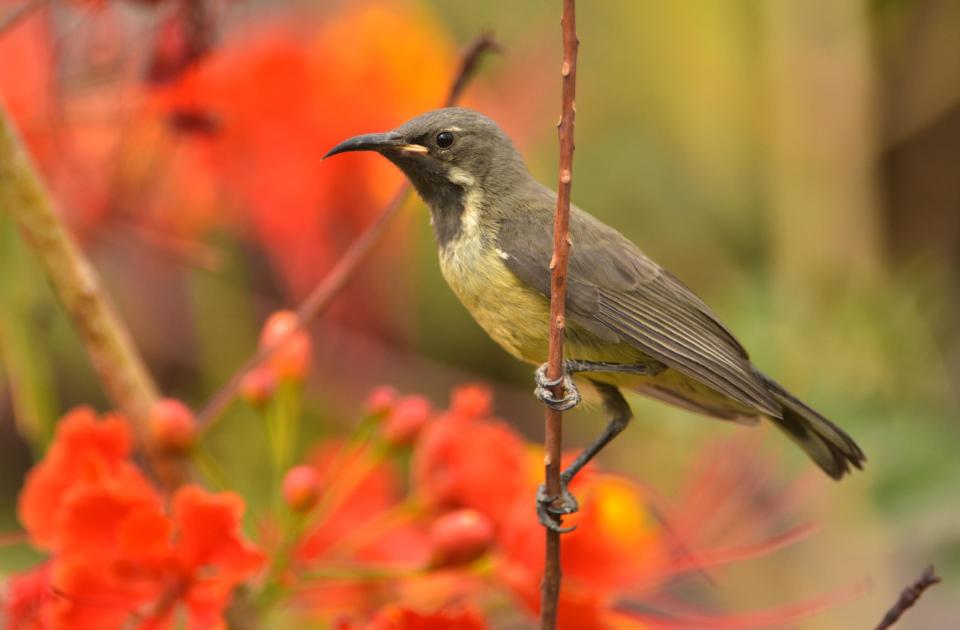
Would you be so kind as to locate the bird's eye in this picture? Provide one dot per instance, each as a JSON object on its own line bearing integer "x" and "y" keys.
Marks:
{"x": 444, "y": 139}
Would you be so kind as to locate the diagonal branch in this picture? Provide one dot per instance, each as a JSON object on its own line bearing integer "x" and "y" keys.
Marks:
{"x": 116, "y": 361}
{"x": 909, "y": 597}
{"x": 558, "y": 293}
{"x": 323, "y": 294}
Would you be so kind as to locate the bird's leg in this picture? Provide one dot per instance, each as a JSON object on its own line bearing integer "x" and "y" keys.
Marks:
{"x": 620, "y": 415}
{"x": 572, "y": 366}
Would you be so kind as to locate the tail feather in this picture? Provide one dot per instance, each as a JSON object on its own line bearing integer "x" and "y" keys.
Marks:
{"x": 826, "y": 443}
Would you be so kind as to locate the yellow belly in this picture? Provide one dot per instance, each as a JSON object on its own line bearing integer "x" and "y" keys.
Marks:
{"x": 517, "y": 317}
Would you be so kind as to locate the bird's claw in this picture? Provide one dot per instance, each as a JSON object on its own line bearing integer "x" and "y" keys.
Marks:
{"x": 551, "y": 509}
{"x": 571, "y": 396}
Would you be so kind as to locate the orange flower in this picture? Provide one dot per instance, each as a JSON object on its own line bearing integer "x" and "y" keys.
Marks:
{"x": 615, "y": 545}
{"x": 127, "y": 560}
{"x": 86, "y": 451}
{"x": 465, "y": 462}
{"x": 210, "y": 554}
{"x": 401, "y": 618}
{"x": 360, "y": 487}
{"x": 620, "y": 558}
{"x": 286, "y": 93}
{"x": 116, "y": 555}
{"x": 26, "y": 605}
{"x": 358, "y": 522}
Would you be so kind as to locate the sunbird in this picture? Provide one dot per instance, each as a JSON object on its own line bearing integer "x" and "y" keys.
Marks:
{"x": 630, "y": 323}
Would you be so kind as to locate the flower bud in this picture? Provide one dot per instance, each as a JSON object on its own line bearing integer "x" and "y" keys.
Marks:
{"x": 460, "y": 537}
{"x": 173, "y": 427}
{"x": 301, "y": 488}
{"x": 291, "y": 359}
{"x": 258, "y": 386}
{"x": 472, "y": 401}
{"x": 407, "y": 418}
{"x": 381, "y": 400}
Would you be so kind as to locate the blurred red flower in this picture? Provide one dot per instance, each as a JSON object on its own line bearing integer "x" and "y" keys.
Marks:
{"x": 116, "y": 555}
{"x": 465, "y": 461}
{"x": 25, "y": 605}
{"x": 288, "y": 91}
{"x": 87, "y": 453}
{"x": 401, "y": 618}
{"x": 232, "y": 139}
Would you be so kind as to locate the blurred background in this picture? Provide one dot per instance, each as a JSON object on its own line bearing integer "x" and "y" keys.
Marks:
{"x": 794, "y": 162}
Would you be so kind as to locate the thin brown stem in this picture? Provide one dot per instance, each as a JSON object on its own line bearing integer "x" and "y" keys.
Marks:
{"x": 558, "y": 292}
{"x": 323, "y": 293}
{"x": 909, "y": 597}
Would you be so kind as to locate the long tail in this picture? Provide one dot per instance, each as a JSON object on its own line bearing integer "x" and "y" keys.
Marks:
{"x": 826, "y": 443}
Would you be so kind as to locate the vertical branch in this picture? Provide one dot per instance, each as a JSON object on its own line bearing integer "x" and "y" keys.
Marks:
{"x": 120, "y": 368}
{"x": 558, "y": 294}
{"x": 323, "y": 293}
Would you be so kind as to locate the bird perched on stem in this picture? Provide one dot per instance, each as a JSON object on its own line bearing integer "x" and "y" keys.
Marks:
{"x": 630, "y": 323}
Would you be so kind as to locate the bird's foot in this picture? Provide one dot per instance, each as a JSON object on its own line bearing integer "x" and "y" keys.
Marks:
{"x": 551, "y": 509}
{"x": 571, "y": 397}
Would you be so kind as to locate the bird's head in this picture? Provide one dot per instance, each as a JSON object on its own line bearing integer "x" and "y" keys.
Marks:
{"x": 447, "y": 153}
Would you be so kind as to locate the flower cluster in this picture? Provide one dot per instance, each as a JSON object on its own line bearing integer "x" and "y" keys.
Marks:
{"x": 118, "y": 555}
{"x": 425, "y": 519}
{"x": 420, "y": 519}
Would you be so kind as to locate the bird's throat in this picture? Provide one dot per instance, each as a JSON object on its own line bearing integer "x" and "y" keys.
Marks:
{"x": 447, "y": 218}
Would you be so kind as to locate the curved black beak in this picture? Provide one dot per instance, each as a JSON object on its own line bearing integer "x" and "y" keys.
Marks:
{"x": 376, "y": 142}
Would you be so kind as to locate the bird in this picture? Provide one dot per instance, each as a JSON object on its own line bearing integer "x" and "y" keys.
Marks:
{"x": 630, "y": 324}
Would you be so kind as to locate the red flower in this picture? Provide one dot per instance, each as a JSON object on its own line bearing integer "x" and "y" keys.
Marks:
{"x": 362, "y": 486}
{"x": 286, "y": 93}
{"x": 465, "y": 462}
{"x": 116, "y": 555}
{"x": 26, "y": 605}
{"x": 125, "y": 559}
{"x": 210, "y": 554}
{"x": 401, "y": 618}
{"x": 616, "y": 544}
{"x": 86, "y": 451}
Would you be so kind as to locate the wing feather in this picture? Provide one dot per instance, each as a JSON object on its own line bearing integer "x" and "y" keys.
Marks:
{"x": 612, "y": 282}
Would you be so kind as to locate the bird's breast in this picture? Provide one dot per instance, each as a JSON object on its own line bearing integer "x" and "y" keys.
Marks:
{"x": 513, "y": 314}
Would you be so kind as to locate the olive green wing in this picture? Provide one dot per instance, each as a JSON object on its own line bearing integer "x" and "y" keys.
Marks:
{"x": 611, "y": 282}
